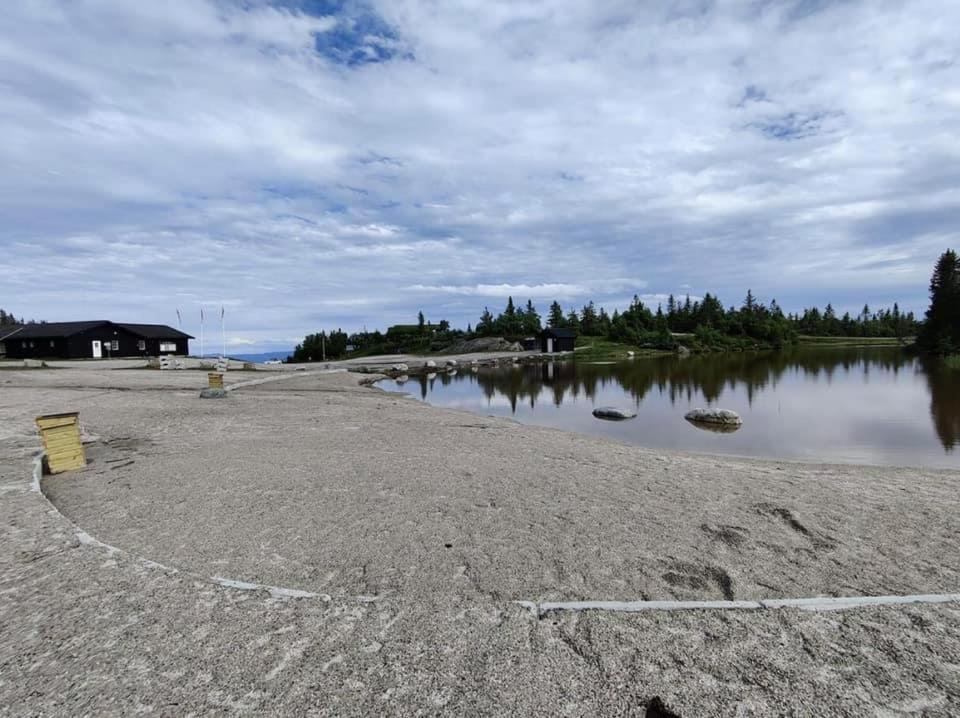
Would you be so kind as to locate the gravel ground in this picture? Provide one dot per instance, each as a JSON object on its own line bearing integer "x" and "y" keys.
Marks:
{"x": 417, "y": 528}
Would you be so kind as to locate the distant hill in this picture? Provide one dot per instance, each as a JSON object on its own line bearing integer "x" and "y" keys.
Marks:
{"x": 263, "y": 356}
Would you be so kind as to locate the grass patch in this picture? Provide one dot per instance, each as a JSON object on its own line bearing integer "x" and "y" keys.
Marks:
{"x": 597, "y": 349}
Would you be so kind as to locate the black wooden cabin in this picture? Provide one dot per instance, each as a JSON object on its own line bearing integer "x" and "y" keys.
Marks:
{"x": 554, "y": 340}
{"x": 90, "y": 340}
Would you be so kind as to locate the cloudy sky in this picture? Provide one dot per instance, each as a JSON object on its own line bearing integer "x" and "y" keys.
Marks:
{"x": 317, "y": 164}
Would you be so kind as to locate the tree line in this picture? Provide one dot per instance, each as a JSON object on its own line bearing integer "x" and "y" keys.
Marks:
{"x": 7, "y": 318}
{"x": 707, "y": 320}
{"x": 702, "y": 323}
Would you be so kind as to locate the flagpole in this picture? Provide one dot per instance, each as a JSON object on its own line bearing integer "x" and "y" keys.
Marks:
{"x": 201, "y": 332}
{"x": 223, "y": 334}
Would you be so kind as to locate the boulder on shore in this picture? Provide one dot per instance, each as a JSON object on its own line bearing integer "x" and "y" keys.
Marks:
{"x": 402, "y": 368}
{"x": 210, "y": 393}
{"x": 430, "y": 364}
{"x": 614, "y": 413}
{"x": 723, "y": 417}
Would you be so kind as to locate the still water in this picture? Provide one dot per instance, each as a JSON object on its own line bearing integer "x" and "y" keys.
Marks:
{"x": 857, "y": 405}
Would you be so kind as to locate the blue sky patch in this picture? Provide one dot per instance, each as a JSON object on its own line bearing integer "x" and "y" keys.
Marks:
{"x": 360, "y": 36}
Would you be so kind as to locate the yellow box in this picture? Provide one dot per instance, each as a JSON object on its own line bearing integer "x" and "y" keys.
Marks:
{"x": 216, "y": 381}
{"x": 60, "y": 434}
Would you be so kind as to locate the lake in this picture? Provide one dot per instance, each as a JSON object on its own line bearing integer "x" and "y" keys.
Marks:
{"x": 846, "y": 405}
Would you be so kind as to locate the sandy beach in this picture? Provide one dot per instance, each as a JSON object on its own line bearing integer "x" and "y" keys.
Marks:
{"x": 403, "y": 536}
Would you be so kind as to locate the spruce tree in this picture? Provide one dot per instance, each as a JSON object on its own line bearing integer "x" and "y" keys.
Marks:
{"x": 941, "y": 332}
{"x": 555, "y": 318}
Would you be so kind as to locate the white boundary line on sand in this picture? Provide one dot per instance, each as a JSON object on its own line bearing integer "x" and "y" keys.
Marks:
{"x": 85, "y": 539}
{"x": 818, "y": 603}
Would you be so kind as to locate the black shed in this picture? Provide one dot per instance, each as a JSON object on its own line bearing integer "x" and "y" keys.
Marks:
{"x": 95, "y": 339}
{"x": 554, "y": 340}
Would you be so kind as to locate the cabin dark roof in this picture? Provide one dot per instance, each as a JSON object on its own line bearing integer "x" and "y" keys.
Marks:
{"x": 52, "y": 330}
{"x": 560, "y": 332}
{"x": 154, "y": 331}
{"x": 47, "y": 330}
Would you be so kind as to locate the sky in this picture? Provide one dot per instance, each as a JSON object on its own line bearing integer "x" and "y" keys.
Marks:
{"x": 321, "y": 164}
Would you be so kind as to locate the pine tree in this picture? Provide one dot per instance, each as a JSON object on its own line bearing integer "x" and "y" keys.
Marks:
{"x": 941, "y": 332}
{"x": 588, "y": 320}
{"x": 531, "y": 319}
{"x": 555, "y": 318}
{"x": 485, "y": 325}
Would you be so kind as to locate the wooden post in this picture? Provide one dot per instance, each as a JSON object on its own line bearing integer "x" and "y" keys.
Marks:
{"x": 60, "y": 434}
{"x": 215, "y": 380}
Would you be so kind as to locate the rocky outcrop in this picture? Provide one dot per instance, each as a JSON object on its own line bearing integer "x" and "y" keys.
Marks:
{"x": 484, "y": 344}
{"x": 723, "y": 417}
{"x": 613, "y": 413}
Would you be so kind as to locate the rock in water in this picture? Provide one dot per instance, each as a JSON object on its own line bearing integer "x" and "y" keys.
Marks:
{"x": 402, "y": 368}
{"x": 723, "y": 417}
{"x": 213, "y": 393}
{"x": 613, "y": 412}
{"x": 430, "y": 364}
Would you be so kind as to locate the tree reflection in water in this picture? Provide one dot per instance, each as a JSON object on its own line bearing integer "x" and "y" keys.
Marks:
{"x": 944, "y": 384}
{"x": 681, "y": 379}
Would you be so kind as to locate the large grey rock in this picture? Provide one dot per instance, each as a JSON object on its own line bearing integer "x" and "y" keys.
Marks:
{"x": 400, "y": 367}
{"x": 484, "y": 344}
{"x": 209, "y": 393}
{"x": 614, "y": 413}
{"x": 430, "y": 364}
{"x": 714, "y": 416}
{"x": 682, "y": 351}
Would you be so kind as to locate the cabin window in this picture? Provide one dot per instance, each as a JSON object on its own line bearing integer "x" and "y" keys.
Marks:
{"x": 52, "y": 343}
{"x": 142, "y": 345}
{"x": 115, "y": 345}
{"x": 168, "y": 346}
{"x": 24, "y": 344}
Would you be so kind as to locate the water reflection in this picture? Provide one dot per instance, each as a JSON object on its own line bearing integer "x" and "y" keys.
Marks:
{"x": 855, "y": 404}
{"x": 680, "y": 379}
{"x": 944, "y": 401}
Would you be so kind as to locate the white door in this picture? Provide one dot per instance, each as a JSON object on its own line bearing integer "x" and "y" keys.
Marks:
{"x": 97, "y": 349}
{"x": 549, "y": 345}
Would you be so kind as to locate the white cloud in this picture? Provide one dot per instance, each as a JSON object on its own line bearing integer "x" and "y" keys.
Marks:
{"x": 524, "y": 291}
{"x": 162, "y": 156}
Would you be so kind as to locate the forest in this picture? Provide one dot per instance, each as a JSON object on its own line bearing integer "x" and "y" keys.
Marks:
{"x": 700, "y": 325}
